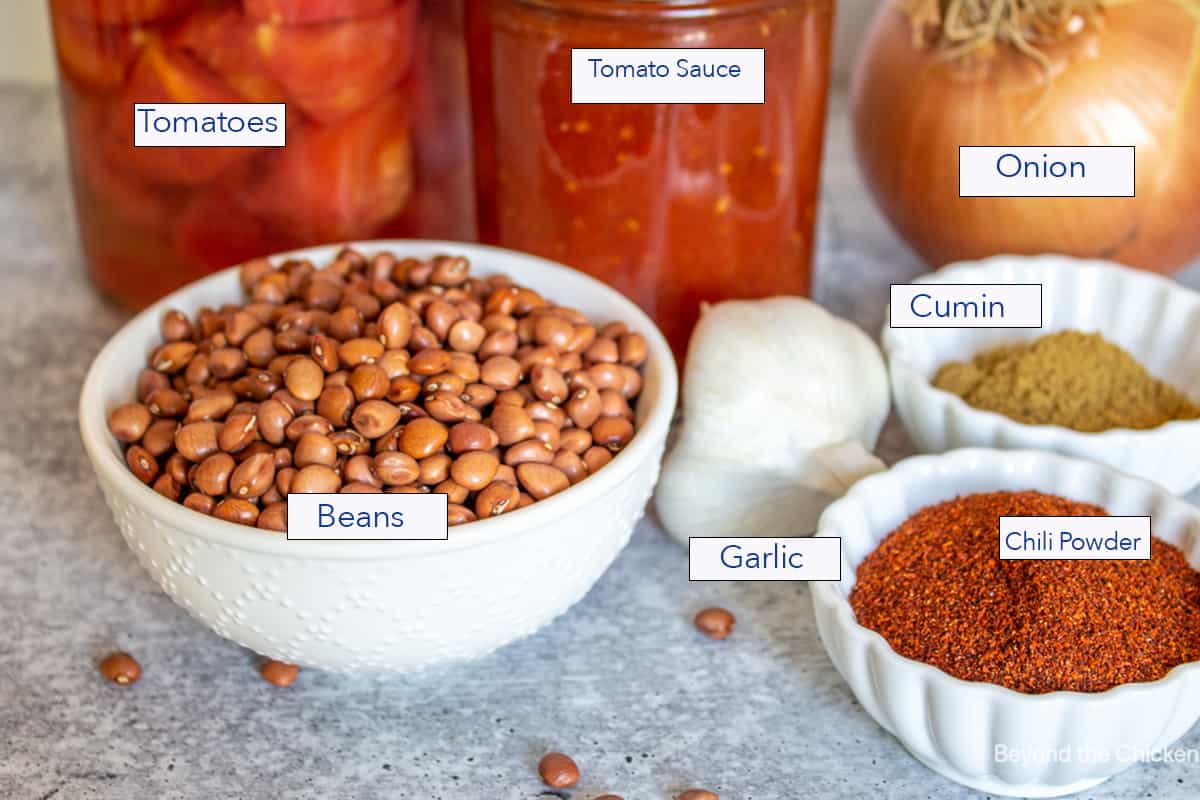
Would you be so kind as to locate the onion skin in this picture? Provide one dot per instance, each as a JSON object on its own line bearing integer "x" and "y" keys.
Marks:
{"x": 1121, "y": 84}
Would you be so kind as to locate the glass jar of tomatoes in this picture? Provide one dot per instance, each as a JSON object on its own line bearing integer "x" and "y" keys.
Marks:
{"x": 378, "y": 137}
{"x": 676, "y": 204}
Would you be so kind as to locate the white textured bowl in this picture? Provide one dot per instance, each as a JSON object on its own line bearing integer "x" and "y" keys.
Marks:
{"x": 1152, "y": 317}
{"x": 955, "y": 727}
{"x": 385, "y": 605}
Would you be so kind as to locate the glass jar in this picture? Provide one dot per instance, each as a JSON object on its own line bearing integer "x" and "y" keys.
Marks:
{"x": 674, "y": 205}
{"x": 378, "y": 136}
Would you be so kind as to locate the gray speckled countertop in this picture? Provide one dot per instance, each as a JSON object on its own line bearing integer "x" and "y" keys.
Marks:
{"x": 622, "y": 682}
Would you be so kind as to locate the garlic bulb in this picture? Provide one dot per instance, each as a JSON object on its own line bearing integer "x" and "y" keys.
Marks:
{"x": 782, "y": 405}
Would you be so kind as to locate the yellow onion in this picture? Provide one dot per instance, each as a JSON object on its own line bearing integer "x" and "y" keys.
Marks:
{"x": 1112, "y": 74}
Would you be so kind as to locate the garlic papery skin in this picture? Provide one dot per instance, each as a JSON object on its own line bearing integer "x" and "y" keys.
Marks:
{"x": 782, "y": 405}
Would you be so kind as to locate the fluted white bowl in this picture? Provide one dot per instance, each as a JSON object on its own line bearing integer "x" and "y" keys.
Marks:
{"x": 385, "y": 605}
{"x": 1154, "y": 318}
{"x": 957, "y": 728}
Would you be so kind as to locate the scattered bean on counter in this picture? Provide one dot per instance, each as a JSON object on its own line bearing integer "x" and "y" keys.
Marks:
{"x": 378, "y": 374}
{"x": 279, "y": 673}
{"x": 715, "y": 623}
{"x": 558, "y": 770}
{"x": 697, "y": 794}
{"x": 120, "y": 668}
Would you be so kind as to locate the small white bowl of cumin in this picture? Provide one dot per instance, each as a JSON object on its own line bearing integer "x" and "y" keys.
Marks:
{"x": 1154, "y": 319}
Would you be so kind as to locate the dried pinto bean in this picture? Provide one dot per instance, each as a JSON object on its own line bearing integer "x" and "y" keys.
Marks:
{"x": 455, "y": 493}
{"x": 459, "y": 514}
{"x": 231, "y": 509}
{"x": 368, "y": 382}
{"x": 307, "y": 423}
{"x": 571, "y": 465}
{"x": 175, "y": 326}
{"x": 273, "y": 418}
{"x": 612, "y": 432}
{"x": 434, "y": 469}
{"x": 548, "y": 384}
{"x": 500, "y": 372}
{"x": 512, "y": 424}
{"x": 396, "y": 469}
{"x": 349, "y": 443}
{"x": 478, "y": 395}
{"x": 324, "y": 352}
{"x": 259, "y": 348}
{"x": 120, "y": 668}
{"x": 715, "y": 623}
{"x": 423, "y": 437}
{"x": 128, "y": 423}
{"x": 142, "y": 463}
{"x": 173, "y": 357}
{"x": 472, "y": 436}
{"x": 542, "y": 480}
{"x": 238, "y": 432}
{"x": 211, "y": 405}
{"x": 596, "y": 457}
{"x": 177, "y": 467}
{"x": 278, "y": 673}
{"x": 315, "y": 479}
{"x": 305, "y": 379}
{"x": 602, "y": 350}
{"x": 159, "y": 438}
{"x": 227, "y": 362}
{"x": 314, "y": 448}
{"x": 253, "y": 477}
{"x": 395, "y": 325}
{"x": 211, "y": 476}
{"x": 361, "y": 469}
{"x": 529, "y": 451}
{"x": 496, "y": 498}
{"x": 197, "y": 440}
{"x": 167, "y": 403}
{"x": 336, "y": 404}
{"x": 359, "y": 351}
{"x": 374, "y": 418}
{"x": 200, "y": 502}
{"x": 612, "y": 404}
{"x": 273, "y": 517}
{"x": 575, "y": 440}
{"x": 584, "y": 407}
{"x": 447, "y": 406}
{"x": 558, "y": 770}
{"x": 475, "y": 469}
{"x": 466, "y": 336}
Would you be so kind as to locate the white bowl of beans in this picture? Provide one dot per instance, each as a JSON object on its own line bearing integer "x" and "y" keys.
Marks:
{"x": 513, "y": 561}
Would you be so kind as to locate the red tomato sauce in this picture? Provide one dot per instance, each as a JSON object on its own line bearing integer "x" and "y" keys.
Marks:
{"x": 674, "y": 205}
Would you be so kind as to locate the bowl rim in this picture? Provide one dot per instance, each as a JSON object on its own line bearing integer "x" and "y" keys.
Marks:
{"x": 908, "y": 471}
{"x": 648, "y": 436}
{"x": 901, "y": 368}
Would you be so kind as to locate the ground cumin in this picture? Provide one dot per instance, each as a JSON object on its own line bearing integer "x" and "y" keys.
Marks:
{"x": 938, "y": 592}
{"x": 1072, "y": 379}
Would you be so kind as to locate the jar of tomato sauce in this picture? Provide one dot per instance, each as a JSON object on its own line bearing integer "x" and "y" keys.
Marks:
{"x": 674, "y": 205}
{"x": 378, "y": 137}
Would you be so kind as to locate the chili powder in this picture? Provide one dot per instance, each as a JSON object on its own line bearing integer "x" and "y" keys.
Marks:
{"x": 938, "y": 592}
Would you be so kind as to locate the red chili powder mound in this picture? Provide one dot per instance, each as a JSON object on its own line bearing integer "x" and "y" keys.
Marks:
{"x": 937, "y": 590}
